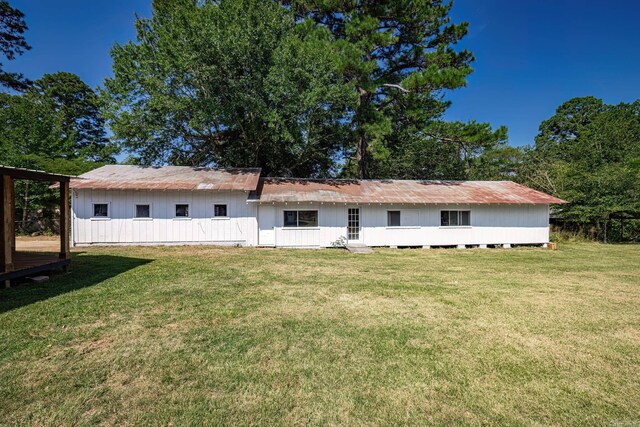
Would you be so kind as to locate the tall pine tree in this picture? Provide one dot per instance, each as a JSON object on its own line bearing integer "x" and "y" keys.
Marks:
{"x": 398, "y": 56}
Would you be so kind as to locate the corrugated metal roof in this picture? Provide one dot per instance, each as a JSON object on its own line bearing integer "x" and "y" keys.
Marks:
{"x": 397, "y": 192}
{"x": 127, "y": 177}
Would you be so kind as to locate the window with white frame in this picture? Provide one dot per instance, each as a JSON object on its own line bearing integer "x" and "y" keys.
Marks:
{"x": 182, "y": 210}
{"x": 220, "y": 210}
{"x": 393, "y": 218}
{"x": 455, "y": 218}
{"x": 101, "y": 210}
{"x": 143, "y": 211}
{"x": 304, "y": 218}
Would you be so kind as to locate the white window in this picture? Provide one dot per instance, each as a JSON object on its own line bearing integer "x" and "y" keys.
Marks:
{"x": 300, "y": 218}
{"x": 101, "y": 210}
{"x": 182, "y": 210}
{"x": 220, "y": 211}
{"x": 455, "y": 218}
{"x": 143, "y": 211}
{"x": 393, "y": 218}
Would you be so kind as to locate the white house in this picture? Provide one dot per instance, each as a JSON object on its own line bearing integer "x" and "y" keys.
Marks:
{"x": 118, "y": 204}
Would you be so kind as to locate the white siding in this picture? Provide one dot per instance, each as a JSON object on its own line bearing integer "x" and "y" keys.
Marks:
{"x": 420, "y": 225}
{"x": 201, "y": 227}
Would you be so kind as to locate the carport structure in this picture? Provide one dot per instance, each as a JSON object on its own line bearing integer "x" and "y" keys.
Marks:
{"x": 15, "y": 264}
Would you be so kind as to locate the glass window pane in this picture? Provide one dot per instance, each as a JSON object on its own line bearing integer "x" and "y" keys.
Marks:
{"x": 182, "y": 211}
{"x": 100, "y": 210}
{"x": 453, "y": 218}
{"x": 307, "y": 218}
{"x": 290, "y": 218}
{"x": 444, "y": 218}
{"x": 219, "y": 210}
{"x": 143, "y": 211}
{"x": 465, "y": 218}
{"x": 393, "y": 218}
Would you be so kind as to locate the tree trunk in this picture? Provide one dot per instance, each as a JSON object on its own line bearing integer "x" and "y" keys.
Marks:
{"x": 361, "y": 155}
{"x": 363, "y": 139}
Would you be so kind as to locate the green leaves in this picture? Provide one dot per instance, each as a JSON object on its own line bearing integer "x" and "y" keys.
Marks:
{"x": 295, "y": 87}
{"x": 12, "y": 43}
{"x": 397, "y": 56}
{"x": 231, "y": 83}
{"x": 55, "y": 126}
{"x": 588, "y": 153}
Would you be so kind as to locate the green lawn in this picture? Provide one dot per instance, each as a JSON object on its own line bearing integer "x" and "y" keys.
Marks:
{"x": 185, "y": 335}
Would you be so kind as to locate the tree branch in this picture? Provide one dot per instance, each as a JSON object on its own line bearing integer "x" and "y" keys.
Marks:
{"x": 396, "y": 87}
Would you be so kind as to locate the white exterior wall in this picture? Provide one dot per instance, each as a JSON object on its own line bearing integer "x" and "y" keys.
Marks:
{"x": 490, "y": 224}
{"x": 240, "y": 227}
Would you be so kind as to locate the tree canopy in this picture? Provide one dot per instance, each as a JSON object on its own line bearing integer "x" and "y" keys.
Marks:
{"x": 588, "y": 153}
{"x": 230, "y": 83}
{"x": 55, "y": 125}
{"x": 398, "y": 56}
{"x": 296, "y": 88}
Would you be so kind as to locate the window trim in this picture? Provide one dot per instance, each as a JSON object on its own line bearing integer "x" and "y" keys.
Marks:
{"x": 218, "y": 218}
{"x": 459, "y": 217}
{"x": 100, "y": 218}
{"x": 142, "y": 218}
{"x": 182, "y": 218}
{"x": 297, "y": 227}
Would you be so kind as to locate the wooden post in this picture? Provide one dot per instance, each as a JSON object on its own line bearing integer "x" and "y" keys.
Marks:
{"x": 6, "y": 257}
{"x": 65, "y": 220}
{"x": 12, "y": 228}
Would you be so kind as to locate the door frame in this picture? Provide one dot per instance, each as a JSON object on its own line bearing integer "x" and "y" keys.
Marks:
{"x": 273, "y": 229}
{"x": 359, "y": 239}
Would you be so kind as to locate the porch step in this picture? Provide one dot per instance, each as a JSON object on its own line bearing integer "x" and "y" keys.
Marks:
{"x": 359, "y": 248}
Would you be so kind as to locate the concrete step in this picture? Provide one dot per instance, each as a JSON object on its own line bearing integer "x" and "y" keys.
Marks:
{"x": 359, "y": 249}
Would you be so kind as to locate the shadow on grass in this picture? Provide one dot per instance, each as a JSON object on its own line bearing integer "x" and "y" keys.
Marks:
{"x": 85, "y": 270}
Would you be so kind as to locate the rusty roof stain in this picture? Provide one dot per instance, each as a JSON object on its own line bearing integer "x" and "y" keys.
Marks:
{"x": 128, "y": 177}
{"x": 281, "y": 190}
{"x": 278, "y": 190}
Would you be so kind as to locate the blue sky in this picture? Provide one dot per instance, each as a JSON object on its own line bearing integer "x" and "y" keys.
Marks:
{"x": 531, "y": 55}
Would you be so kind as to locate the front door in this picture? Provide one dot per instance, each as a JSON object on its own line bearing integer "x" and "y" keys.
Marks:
{"x": 266, "y": 225}
{"x": 353, "y": 224}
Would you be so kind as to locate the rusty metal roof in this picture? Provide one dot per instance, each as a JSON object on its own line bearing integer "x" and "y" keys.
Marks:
{"x": 126, "y": 177}
{"x": 397, "y": 192}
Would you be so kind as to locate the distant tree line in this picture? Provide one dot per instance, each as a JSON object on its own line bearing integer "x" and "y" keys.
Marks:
{"x": 310, "y": 89}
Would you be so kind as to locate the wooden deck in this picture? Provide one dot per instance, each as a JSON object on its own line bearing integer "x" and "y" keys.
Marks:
{"x": 29, "y": 263}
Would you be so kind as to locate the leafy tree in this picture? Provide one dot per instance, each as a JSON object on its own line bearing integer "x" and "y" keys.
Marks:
{"x": 558, "y": 133}
{"x": 55, "y": 125}
{"x": 588, "y": 153}
{"x": 12, "y": 43}
{"x": 398, "y": 56}
{"x": 442, "y": 150}
{"x": 77, "y": 108}
{"x": 232, "y": 83}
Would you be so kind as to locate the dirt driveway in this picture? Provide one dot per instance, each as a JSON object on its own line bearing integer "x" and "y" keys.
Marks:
{"x": 38, "y": 243}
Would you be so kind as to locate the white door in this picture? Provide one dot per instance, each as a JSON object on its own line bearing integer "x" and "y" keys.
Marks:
{"x": 266, "y": 225}
{"x": 353, "y": 225}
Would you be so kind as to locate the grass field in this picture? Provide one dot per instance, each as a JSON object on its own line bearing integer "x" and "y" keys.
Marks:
{"x": 185, "y": 335}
